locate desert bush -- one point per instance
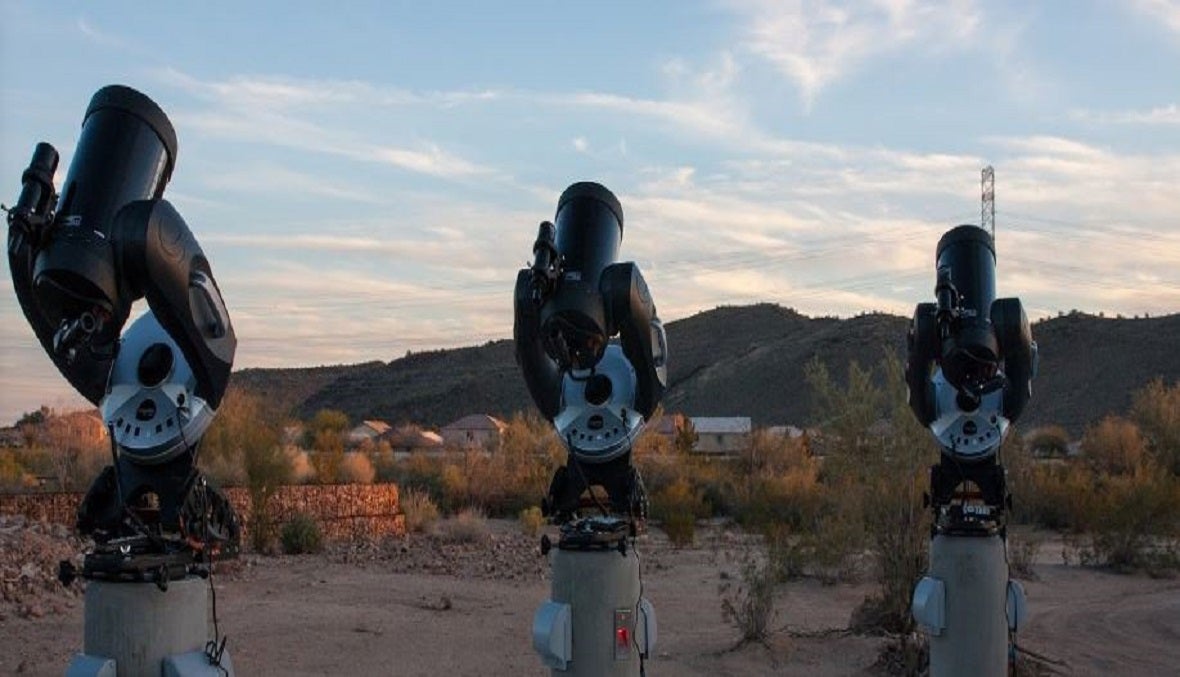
(794, 498)
(418, 472)
(677, 507)
(1156, 409)
(469, 525)
(875, 469)
(1022, 553)
(826, 553)
(13, 475)
(247, 432)
(531, 520)
(1052, 495)
(1048, 441)
(1132, 522)
(301, 534)
(326, 431)
(302, 471)
(501, 482)
(355, 468)
(75, 455)
(420, 510)
(454, 487)
(1114, 446)
(748, 603)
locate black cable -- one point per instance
(586, 483)
(638, 611)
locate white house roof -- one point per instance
(785, 431)
(720, 425)
(475, 422)
(379, 427)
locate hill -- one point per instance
(744, 360)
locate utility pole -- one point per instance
(987, 211)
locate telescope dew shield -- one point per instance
(589, 225)
(967, 256)
(125, 153)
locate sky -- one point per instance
(367, 177)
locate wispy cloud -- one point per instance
(98, 36)
(283, 112)
(1160, 115)
(1166, 12)
(818, 43)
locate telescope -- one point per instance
(969, 369)
(79, 262)
(598, 393)
(570, 304)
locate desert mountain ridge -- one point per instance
(739, 361)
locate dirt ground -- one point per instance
(428, 609)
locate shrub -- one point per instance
(420, 510)
(326, 431)
(1022, 555)
(301, 535)
(1114, 446)
(469, 525)
(531, 520)
(302, 471)
(748, 604)
(355, 468)
(13, 475)
(677, 507)
(1156, 409)
(1051, 441)
(1133, 522)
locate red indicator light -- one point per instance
(622, 637)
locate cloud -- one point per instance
(268, 178)
(1160, 115)
(304, 115)
(815, 44)
(1166, 12)
(99, 37)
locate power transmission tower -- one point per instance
(987, 212)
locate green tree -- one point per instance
(245, 438)
(875, 468)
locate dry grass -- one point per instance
(420, 511)
(356, 468)
(469, 525)
(531, 520)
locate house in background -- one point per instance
(477, 431)
(369, 431)
(667, 425)
(789, 432)
(722, 435)
(410, 439)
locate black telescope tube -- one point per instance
(967, 252)
(589, 225)
(589, 228)
(125, 153)
(969, 352)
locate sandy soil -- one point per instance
(383, 612)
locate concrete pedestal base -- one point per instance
(974, 573)
(134, 629)
(608, 625)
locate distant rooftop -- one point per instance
(714, 425)
(476, 422)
